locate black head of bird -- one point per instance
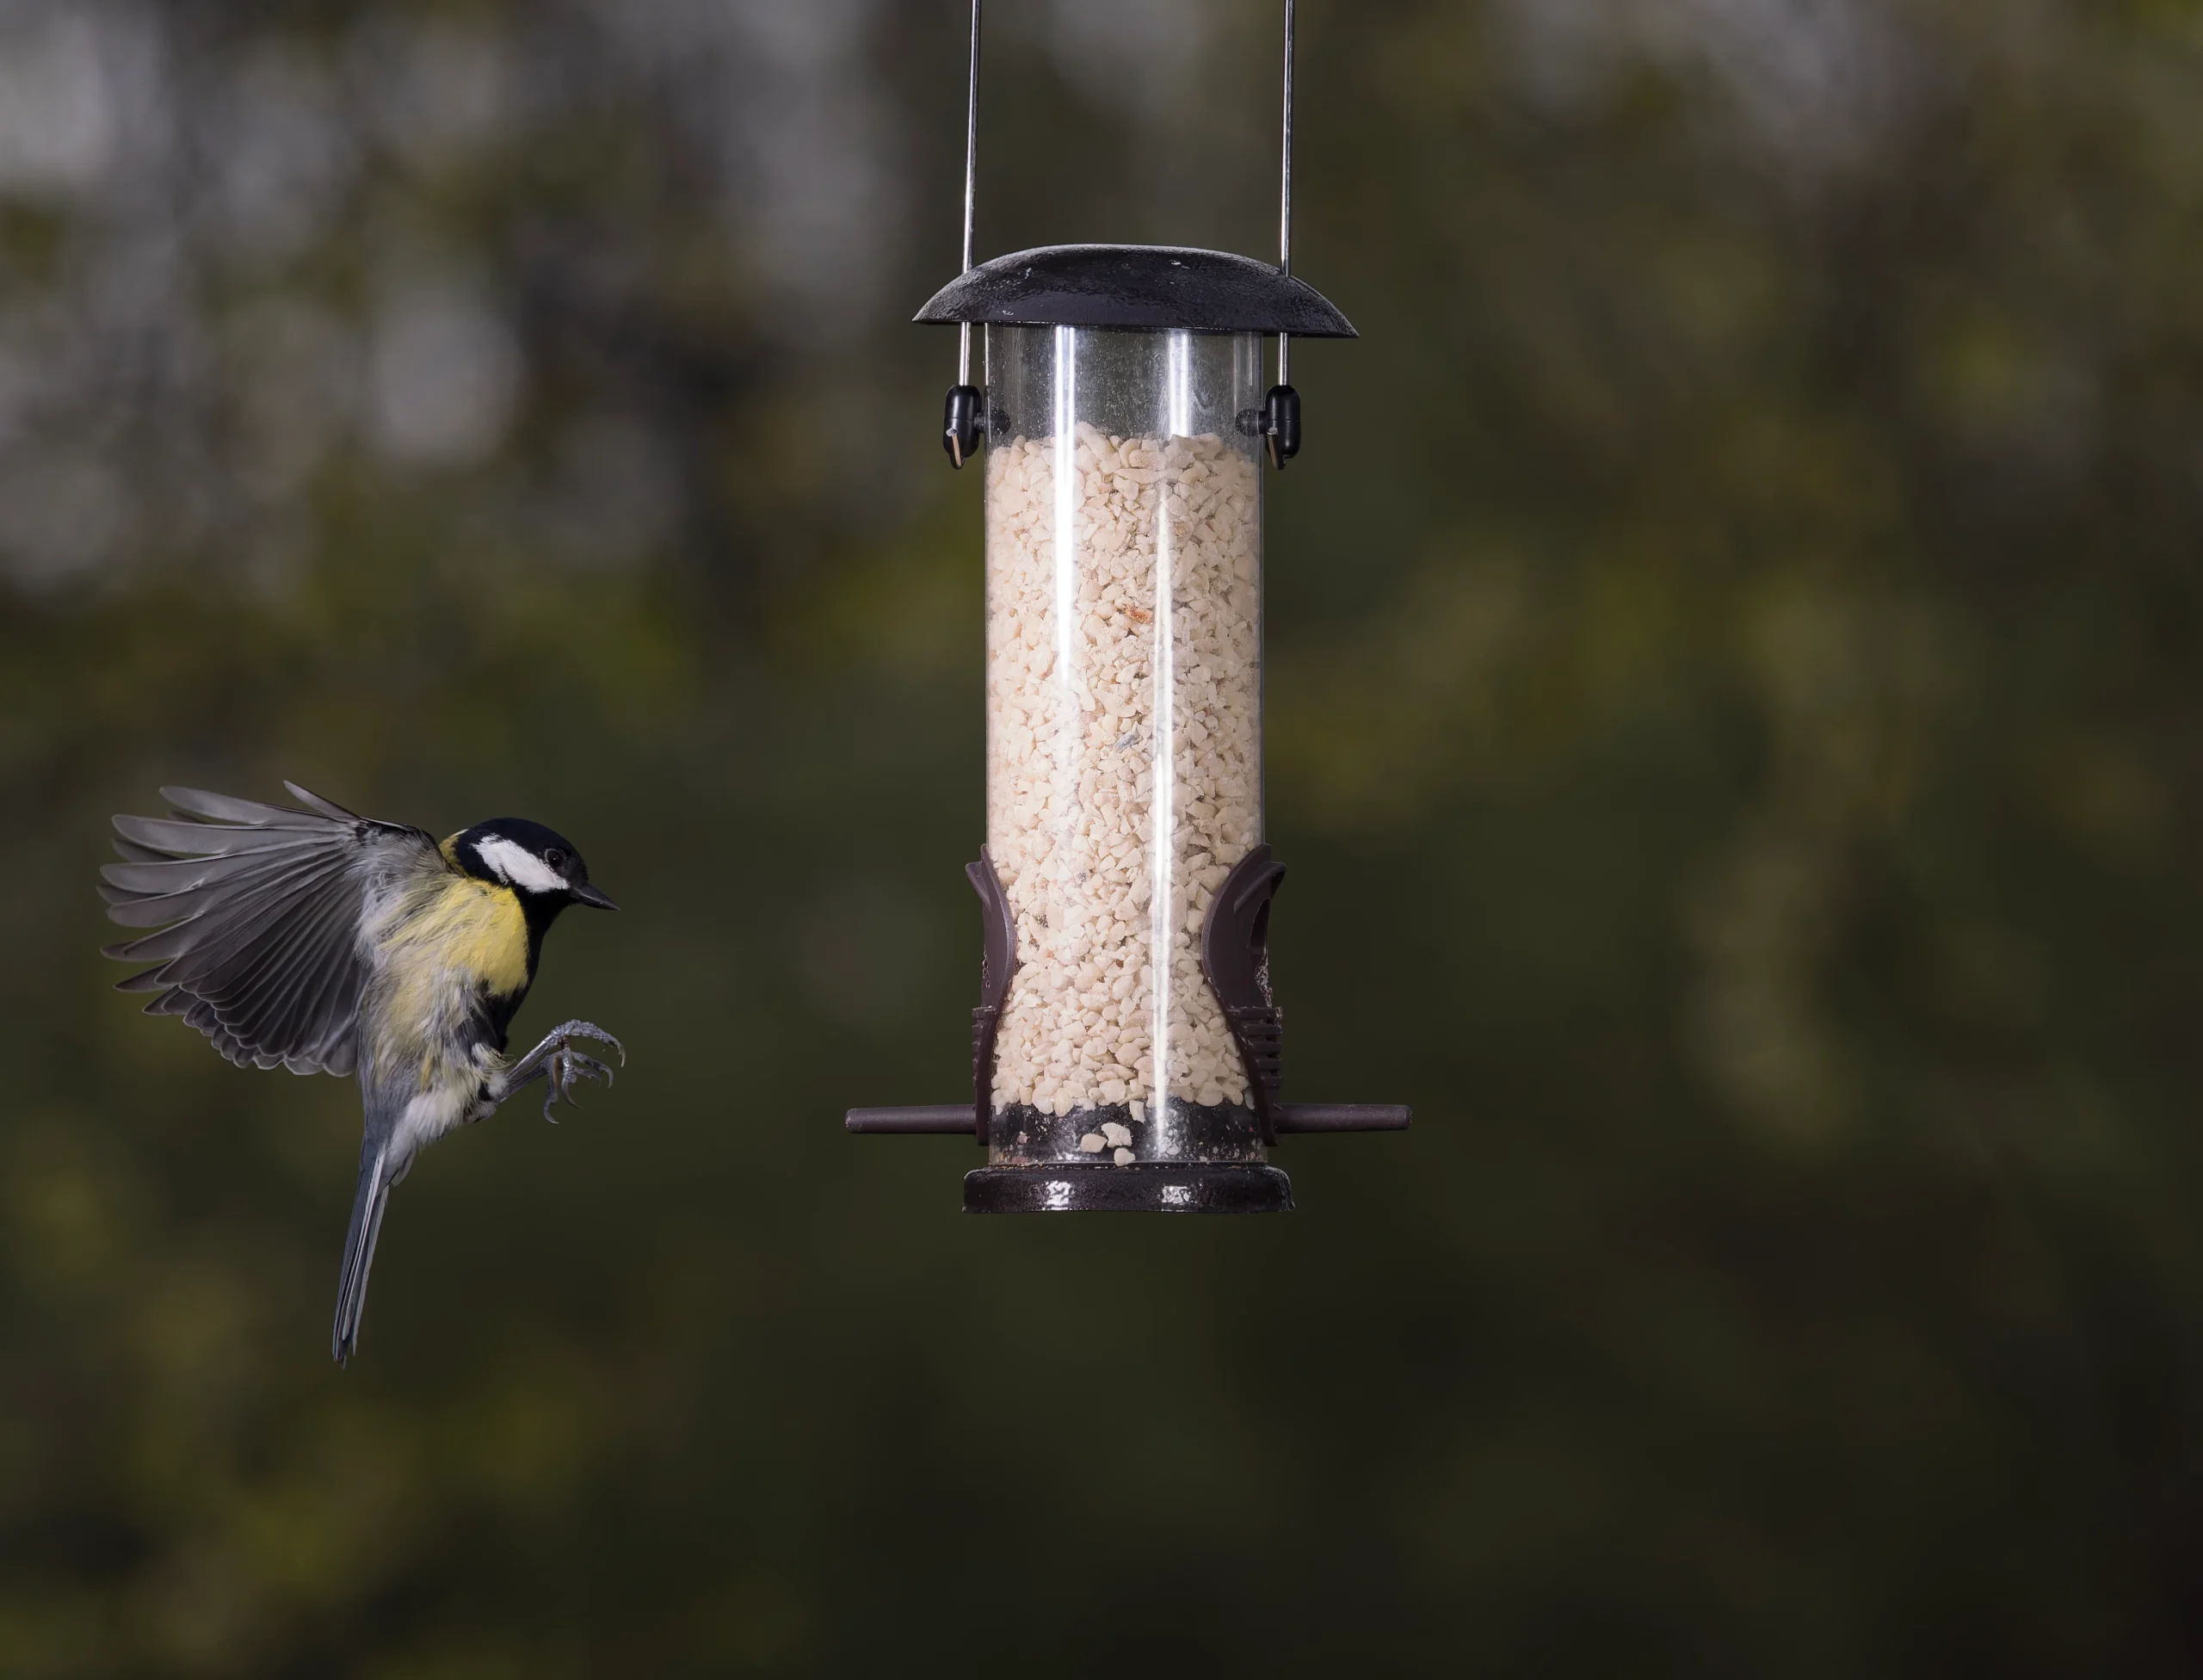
(541, 866)
(311, 937)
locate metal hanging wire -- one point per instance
(1281, 414)
(962, 423)
(972, 186)
(1283, 193)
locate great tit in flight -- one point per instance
(329, 942)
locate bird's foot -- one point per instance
(562, 1066)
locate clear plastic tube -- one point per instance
(1124, 731)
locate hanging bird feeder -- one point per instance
(1127, 1051)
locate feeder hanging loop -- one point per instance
(961, 426)
(1281, 424)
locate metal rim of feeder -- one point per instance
(1214, 1146)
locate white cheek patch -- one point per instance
(516, 866)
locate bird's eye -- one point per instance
(555, 858)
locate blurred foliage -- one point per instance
(1734, 704)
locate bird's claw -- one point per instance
(590, 1030)
(565, 1066)
(562, 1066)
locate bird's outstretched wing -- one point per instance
(259, 908)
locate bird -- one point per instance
(310, 937)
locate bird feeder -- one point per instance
(1127, 1052)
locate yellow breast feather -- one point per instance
(475, 928)
(439, 947)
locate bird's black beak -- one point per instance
(586, 895)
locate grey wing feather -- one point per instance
(258, 908)
(315, 802)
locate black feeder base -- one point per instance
(1142, 1188)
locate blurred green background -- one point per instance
(1735, 697)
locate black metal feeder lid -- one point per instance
(1135, 285)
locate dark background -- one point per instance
(1735, 710)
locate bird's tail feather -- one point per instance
(367, 1205)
